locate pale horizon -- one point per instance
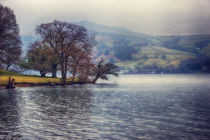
(156, 17)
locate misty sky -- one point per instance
(165, 17)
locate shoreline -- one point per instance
(26, 85)
(17, 85)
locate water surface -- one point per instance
(131, 107)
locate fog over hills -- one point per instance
(143, 53)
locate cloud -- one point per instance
(148, 16)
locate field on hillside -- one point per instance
(156, 56)
(135, 51)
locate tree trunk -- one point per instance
(95, 79)
(73, 77)
(63, 75)
(63, 72)
(54, 71)
(65, 69)
(74, 73)
(87, 74)
(8, 66)
(42, 74)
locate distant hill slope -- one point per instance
(142, 53)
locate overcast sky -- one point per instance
(165, 17)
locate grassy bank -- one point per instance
(27, 79)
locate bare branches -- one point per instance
(72, 46)
(101, 70)
(70, 42)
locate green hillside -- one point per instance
(143, 53)
(150, 56)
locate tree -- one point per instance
(10, 43)
(102, 70)
(87, 69)
(38, 59)
(80, 57)
(38, 52)
(63, 37)
(76, 62)
(123, 49)
(163, 57)
(11, 56)
(54, 61)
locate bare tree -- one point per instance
(10, 43)
(62, 37)
(102, 70)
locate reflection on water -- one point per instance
(136, 107)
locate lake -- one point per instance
(146, 107)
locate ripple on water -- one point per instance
(139, 107)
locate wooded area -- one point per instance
(60, 46)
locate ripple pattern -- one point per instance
(156, 111)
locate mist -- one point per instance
(158, 17)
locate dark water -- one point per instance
(153, 107)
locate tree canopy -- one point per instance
(65, 40)
(38, 57)
(10, 43)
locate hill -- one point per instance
(143, 53)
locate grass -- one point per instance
(4, 78)
(152, 51)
